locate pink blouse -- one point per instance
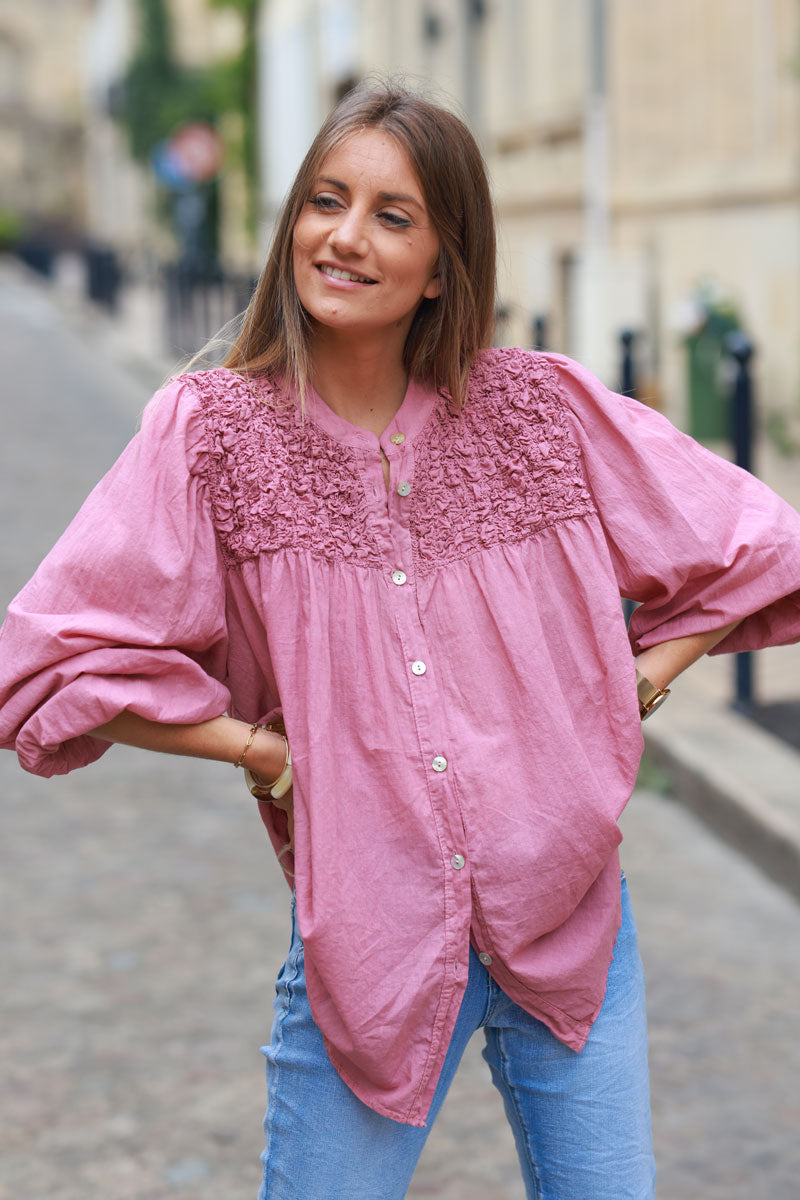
(450, 658)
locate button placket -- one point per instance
(392, 512)
(400, 456)
(424, 694)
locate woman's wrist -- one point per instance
(266, 755)
(656, 667)
(662, 663)
(223, 739)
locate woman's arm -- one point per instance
(663, 663)
(222, 739)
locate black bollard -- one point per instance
(103, 275)
(540, 332)
(627, 373)
(38, 253)
(740, 349)
(501, 318)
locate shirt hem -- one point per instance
(407, 1117)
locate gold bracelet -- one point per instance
(253, 731)
(280, 786)
(284, 781)
(650, 696)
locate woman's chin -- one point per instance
(344, 323)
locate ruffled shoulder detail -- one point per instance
(502, 470)
(502, 369)
(277, 481)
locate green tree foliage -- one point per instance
(152, 85)
(239, 80)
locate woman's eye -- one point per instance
(324, 202)
(327, 203)
(392, 218)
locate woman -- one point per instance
(407, 551)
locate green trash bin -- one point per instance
(709, 402)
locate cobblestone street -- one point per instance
(146, 919)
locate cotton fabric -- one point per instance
(242, 556)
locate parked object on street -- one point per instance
(103, 275)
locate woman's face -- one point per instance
(364, 250)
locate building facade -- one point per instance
(41, 110)
(120, 191)
(64, 157)
(643, 158)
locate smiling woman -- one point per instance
(364, 259)
(353, 234)
(375, 540)
(389, 176)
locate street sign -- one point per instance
(167, 167)
(193, 154)
(198, 150)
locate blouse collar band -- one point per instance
(418, 403)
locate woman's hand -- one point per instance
(266, 757)
(286, 804)
(260, 763)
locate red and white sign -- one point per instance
(197, 151)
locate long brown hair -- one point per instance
(446, 332)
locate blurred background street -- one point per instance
(646, 164)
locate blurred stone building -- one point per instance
(645, 156)
(64, 159)
(41, 110)
(639, 154)
(120, 191)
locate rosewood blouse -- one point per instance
(450, 657)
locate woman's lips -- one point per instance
(340, 277)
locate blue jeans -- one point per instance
(581, 1122)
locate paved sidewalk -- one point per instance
(742, 781)
(145, 924)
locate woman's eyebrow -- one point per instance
(384, 197)
(398, 198)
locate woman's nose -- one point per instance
(349, 234)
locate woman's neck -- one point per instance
(363, 383)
